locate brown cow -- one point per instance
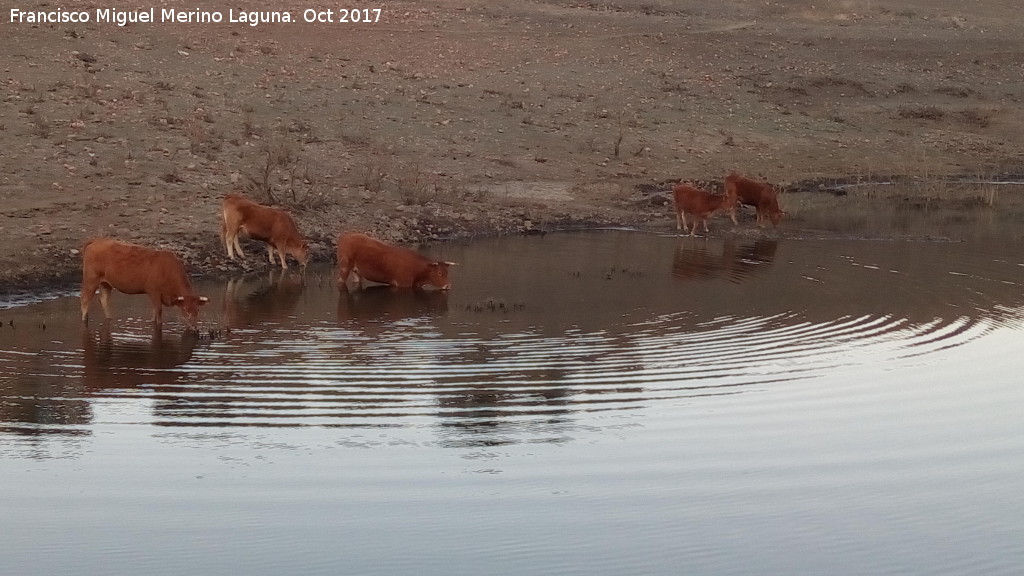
(701, 204)
(270, 225)
(373, 260)
(109, 265)
(760, 195)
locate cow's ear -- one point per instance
(451, 263)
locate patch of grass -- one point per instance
(839, 82)
(86, 88)
(172, 177)
(198, 136)
(921, 112)
(416, 187)
(377, 169)
(955, 91)
(975, 117)
(41, 127)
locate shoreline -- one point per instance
(649, 212)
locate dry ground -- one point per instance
(457, 118)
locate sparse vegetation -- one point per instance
(377, 169)
(928, 112)
(975, 117)
(41, 127)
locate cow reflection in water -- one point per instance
(738, 261)
(51, 401)
(377, 303)
(112, 362)
(272, 300)
(42, 402)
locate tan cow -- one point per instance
(760, 195)
(109, 264)
(373, 260)
(270, 225)
(700, 204)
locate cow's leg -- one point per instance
(231, 242)
(732, 214)
(225, 238)
(105, 290)
(158, 308)
(89, 286)
(679, 220)
(706, 231)
(284, 259)
(344, 269)
(237, 245)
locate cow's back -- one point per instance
(134, 269)
(746, 190)
(379, 262)
(261, 222)
(694, 200)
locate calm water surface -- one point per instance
(592, 403)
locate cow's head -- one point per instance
(301, 253)
(190, 308)
(732, 199)
(774, 212)
(437, 274)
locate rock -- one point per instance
(658, 200)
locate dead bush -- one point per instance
(276, 156)
(979, 118)
(282, 175)
(921, 112)
(376, 170)
(417, 187)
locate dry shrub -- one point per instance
(921, 112)
(377, 169)
(979, 118)
(41, 127)
(955, 91)
(417, 187)
(282, 170)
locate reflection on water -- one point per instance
(737, 260)
(248, 301)
(556, 326)
(685, 389)
(377, 304)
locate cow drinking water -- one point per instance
(373, 260)
(270, 225)
(760, 195)
(109, 265)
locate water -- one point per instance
(593, 403)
